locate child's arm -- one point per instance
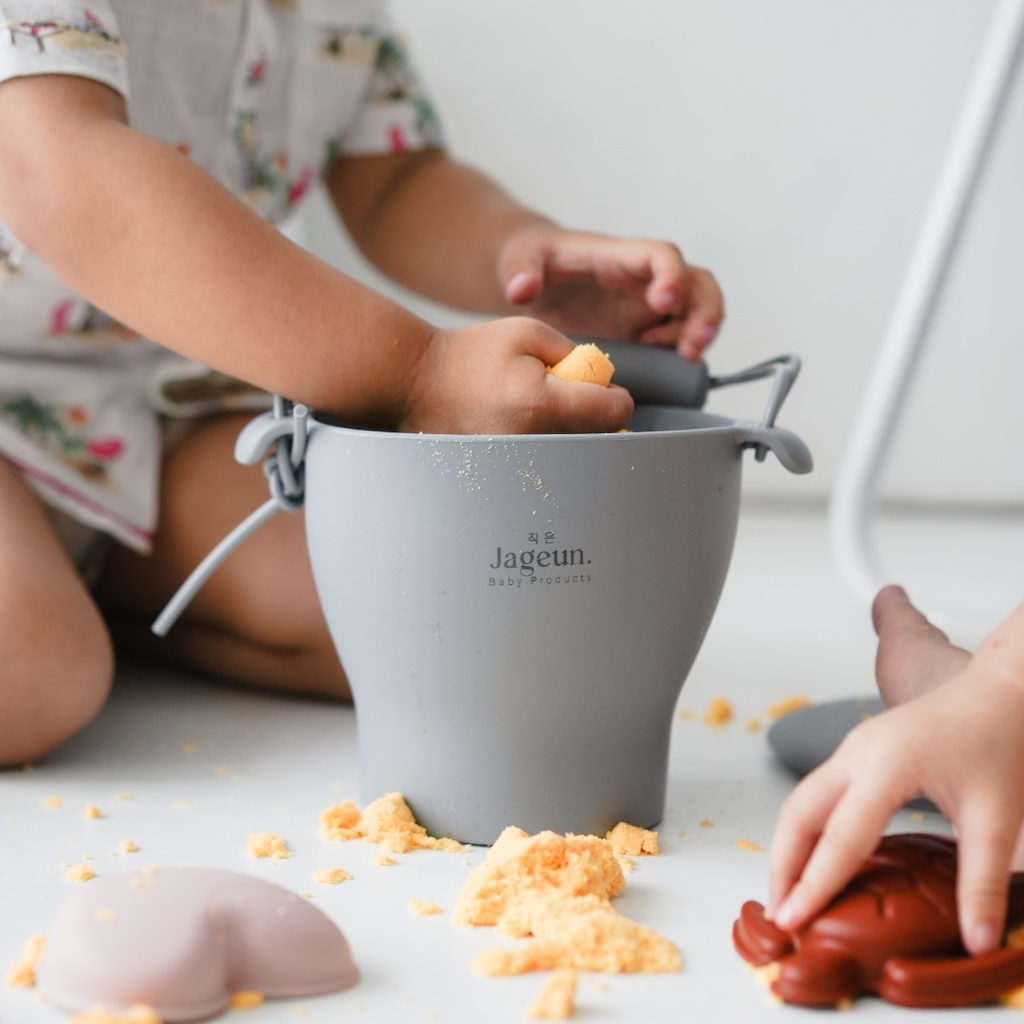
(149, 237)
(449, 232)
(962, 745)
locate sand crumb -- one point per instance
(746, 844)
(555, 999)
(128, 846)
(135, 1015)
(78, 873)
(633, 841)
(268, 844)
(385, 861)
(91, 811)
(783, 707)
(246, 999)
(718, 712)
(104, 914)
(1015, 997)
(52, 802)
(706, 823)
(331, 876)
(22, 974)
(423, 907)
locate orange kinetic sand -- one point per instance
(387, 821)
(584, 932)
(632, 841)
(557, 889)
(519, 866)
(555, 999)
(585, 363)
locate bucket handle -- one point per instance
(783, 370)
(284, 430)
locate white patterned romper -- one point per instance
(261, 94)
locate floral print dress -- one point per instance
(262, 94)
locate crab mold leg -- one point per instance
(951, 981)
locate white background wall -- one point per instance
(790, 146)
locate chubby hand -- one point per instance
(604, 287)
(491, 378)
(961, 744)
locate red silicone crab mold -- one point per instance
(892, 931)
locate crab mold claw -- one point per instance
(759, 941)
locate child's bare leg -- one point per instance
(913, 655)
(56, 660)
(257, 620)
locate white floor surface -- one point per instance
(205, 766)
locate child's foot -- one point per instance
(913, 655)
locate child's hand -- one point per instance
(491, 378)
(606, 287)
(962, 745)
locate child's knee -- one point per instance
(56, 679)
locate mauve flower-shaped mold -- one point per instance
(182, 940)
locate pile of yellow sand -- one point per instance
(557, 890)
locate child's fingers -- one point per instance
(983, 875)
(523, 281)
(578, 407)
(848, 837)
(798, 827)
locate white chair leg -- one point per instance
(855, 493)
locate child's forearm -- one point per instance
(430, 223)
(146, 235)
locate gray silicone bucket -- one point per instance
(517, 614)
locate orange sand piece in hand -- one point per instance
(585, 363)
(632, 841)
(387, 821)
(583, 932)
(555, 999)
(521, 866)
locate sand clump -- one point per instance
(557, 891)
(388, 821)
